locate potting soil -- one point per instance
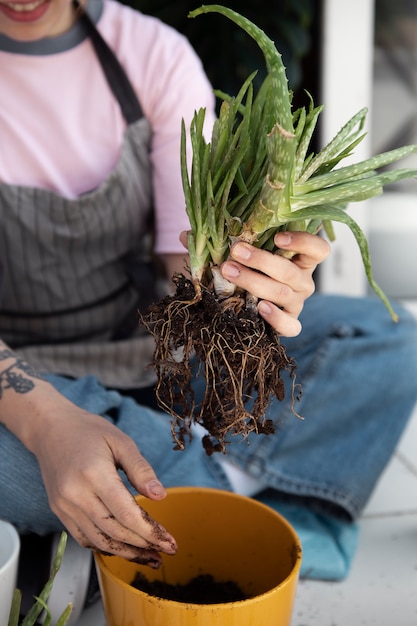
(202, 589)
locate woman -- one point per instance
(90, 159)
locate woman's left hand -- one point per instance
(282, 285)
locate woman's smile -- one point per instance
(35, 19)
(24, 11)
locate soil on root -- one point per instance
(202, 589)
(227, 342)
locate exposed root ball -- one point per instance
(229, 344)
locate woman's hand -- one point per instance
(79, 454)
(281, 284)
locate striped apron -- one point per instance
(73, 272)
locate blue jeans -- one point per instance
(358, 371)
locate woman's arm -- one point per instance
(79, 455)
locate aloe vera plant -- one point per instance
(300, 190)
(257, 175)
(41, 602)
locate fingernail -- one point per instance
(156, 488)
(283, 239)
(241, 252)
(230, 270)
(154, 561)
(169, 547)
(264, 307)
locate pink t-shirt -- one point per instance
(61, 128)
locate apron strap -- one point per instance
(113, 70)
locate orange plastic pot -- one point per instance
(226, 535)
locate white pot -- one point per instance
(9, 561)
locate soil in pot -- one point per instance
(202, 589)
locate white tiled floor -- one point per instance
(381, 588)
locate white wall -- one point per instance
(347, 66)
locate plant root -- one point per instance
(228, 343)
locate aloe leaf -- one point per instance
(352, 190)
(393, 176)
(196, 190)
(63, 619)
(14, 614)
(184, 175)
(233, 156)
(219, 136)
(350, 171)
(356, 191)
(338, 158)
(48, 617)
(329, 230)
(32, 616)
(350, 130)
(276, 70)
(305, 139)
(337, 215)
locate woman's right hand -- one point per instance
(79, 454)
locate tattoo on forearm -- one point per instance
(16, 376)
